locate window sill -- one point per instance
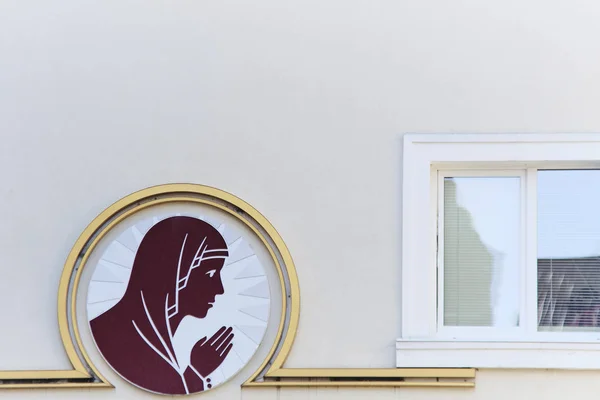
(492, 354)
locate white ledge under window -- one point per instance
(496, 354)
(500, 251)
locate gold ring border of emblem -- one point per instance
(271, 372)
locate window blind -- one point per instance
(481, 251)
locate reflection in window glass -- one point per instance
(481, 237)
(569, 250)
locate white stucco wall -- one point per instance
(298, 107)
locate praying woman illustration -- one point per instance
(176, 273)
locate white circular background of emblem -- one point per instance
(245, 305)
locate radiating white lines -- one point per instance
(101, 281)
(234, 245)
(248, 277)
(115, 263)
(234, 242)
(245, 334)
(138, 236)
(104, 301)
(238, 355)
(237, 261)
(259, 290)
(254, 296)
(125, 246)
(253, 316)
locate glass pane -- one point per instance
(481, 251)
(569, 250)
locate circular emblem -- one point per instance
(178, 304)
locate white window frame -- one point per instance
(427, 158)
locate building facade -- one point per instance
(408, 187)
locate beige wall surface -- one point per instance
(297, 107)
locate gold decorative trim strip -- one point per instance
(61, 385)
(463, 373)
(44, 374)
(368, 377)
(448, 384)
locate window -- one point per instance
(501, 251)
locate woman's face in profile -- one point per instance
(203, 286)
